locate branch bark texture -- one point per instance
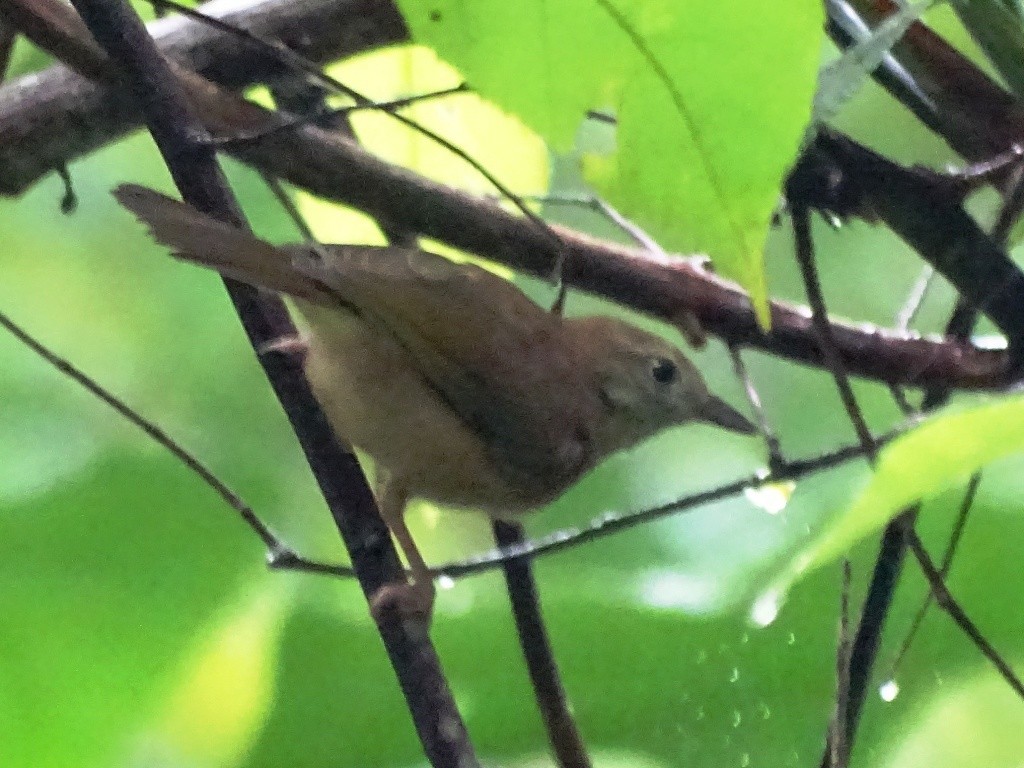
(154, 86)
(53, 117)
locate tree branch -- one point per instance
(55, 116)
(155, 88)
(968, 109)
(563, 734)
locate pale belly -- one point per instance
(378, 402)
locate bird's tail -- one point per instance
(200, 239)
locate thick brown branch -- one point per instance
(51, 118)
(971, 111)
(338, 169)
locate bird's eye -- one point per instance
(664, 371)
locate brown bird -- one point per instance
(461, 389)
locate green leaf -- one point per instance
(939, 454)
(711, 105)
(566, 58)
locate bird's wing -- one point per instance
(499, 360)
(494, 356)
(202, 240)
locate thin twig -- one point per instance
(771, 440)
(563, 733)
(276, 549)
(838, 743)
(823, 328)
(899, 396)
(288, 204)
(947, 562)
(610, 524)
(316, 118)
(912, 305)
(640, 237)
(948, 603)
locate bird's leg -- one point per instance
(416, 599)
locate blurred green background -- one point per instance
(139, 627)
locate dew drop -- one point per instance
(772, 497)
(889, 690)
(735, 675)
(745, 760)
(766, 608)
(737, 718)
(445, 582)
(791, 640)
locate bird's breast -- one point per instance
(377, 399)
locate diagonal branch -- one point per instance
(155, 87)
(55, 116)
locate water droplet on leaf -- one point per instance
(889, 690)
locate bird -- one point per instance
(461, 389)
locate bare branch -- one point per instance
(949, 604)
(156, 89)
(55, 116)
(563, 734)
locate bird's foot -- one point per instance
(412, 602)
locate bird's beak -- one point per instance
(719, 412)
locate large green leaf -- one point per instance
(937, 455)
(711, 103)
